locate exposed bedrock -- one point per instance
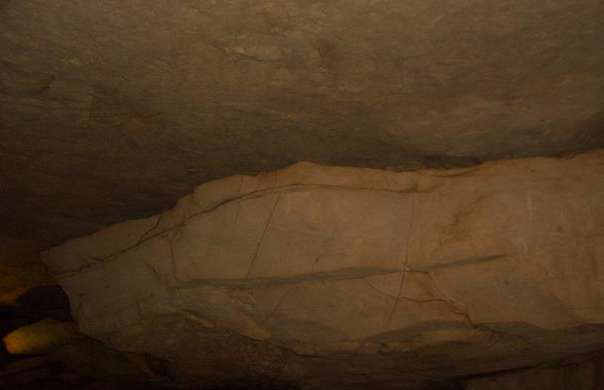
(329, 276)
(112, 110)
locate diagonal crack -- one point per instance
(277, 306)
(261, 240)
(148, 231)
(404, 262)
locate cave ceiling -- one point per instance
(112, 110)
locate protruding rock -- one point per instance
(330, 275)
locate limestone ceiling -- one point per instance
(113, 109)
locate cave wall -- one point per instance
(142, 100)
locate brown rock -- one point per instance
(113, 110)
(583, 375)
(327, 275)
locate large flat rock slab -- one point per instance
(332, 276)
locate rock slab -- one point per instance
(332, 276)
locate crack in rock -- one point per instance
(261, 240)
(254, 195)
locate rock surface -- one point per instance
(330, 276)
(113, 110)
(587, 374)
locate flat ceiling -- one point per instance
(111, 110)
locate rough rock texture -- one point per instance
(329, 276)
(112, 110)
(582, 375)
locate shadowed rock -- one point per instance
(141, 100)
